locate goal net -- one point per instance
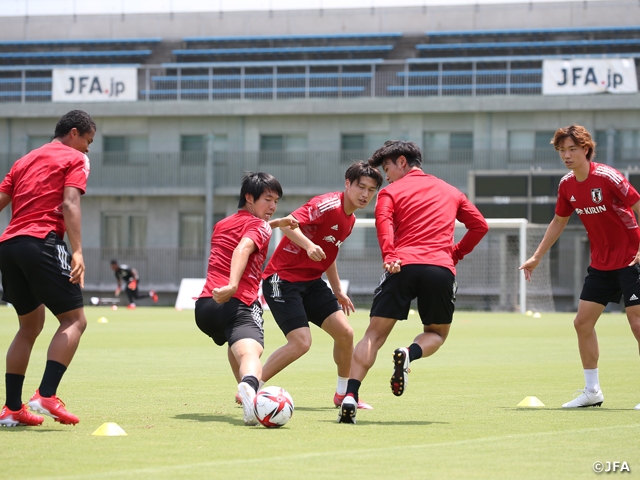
(488, 278)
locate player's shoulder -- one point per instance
(608, 173)
(327, 201)
(567, 177)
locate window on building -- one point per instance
(353, 146)
(122, 150)
(527, 146)
(192, 231)
(36, 141)
(544, 150)
(276, 149)
(124, 231)
(193, 149)
(446, 146)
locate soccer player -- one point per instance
(228, 309)
(415, 223)
(129, 275)
(44, 189)
(293, 287)
(605, 203)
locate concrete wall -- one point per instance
(400, 19)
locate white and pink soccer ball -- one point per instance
(273, 407)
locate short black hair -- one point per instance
(362, 169)
(392, 149)
(77, 119)
(255, 184)
(114, 262)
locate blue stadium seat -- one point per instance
(282, 63)
(283, 50)
(79, 55)
(99, 41)
(257, 38)
(237, 91)
(525, 45)
(265, 76)
(478, 86)
(452, 73)
(534, 31)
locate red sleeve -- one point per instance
(310, 213)
(78, 172)
(563, 206)
(476, 226)
(259, 232)
(7, 185)
(384, 227)
(627, 194)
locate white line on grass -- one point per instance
(331, 454)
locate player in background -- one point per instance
(129, 276)
(293, 286)
(415, 223)
(44, 189)
(605, 203)
(228, 309)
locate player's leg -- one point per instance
(298, 343)
(131, 298)
(630, 283)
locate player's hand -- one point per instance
(392, 267)
(345, 303)
(77, 269)
(292, 223)
(528, 267)
(316, 253)
(223, 294)
(636, 260)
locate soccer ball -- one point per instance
(273, 407)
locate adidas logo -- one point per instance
(573, 199)
(335, 227)
(633, 297)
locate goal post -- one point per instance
(488, 278)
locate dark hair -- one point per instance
(114, 262)
(362, 169)
(77, 119)
(392, 149)
(580, 136)
(255, 184)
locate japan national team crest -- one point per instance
(596, 195)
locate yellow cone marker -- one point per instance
(537, 315)
(531, 402)
(110, 429)
(103, 320)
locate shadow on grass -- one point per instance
(394, 424)
(30, 429)
(203, 417)
(560, 409)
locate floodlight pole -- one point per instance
(208, 200)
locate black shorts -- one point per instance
(37, 271)
(230, 321)
(602, 286)
(295, 304)
(435, 288)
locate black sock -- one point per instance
(415, 352)
(53, 373)
(13, 384)
(251, 380)
(353, 386)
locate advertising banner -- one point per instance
(95, 84)
(587, 76)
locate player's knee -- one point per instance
(299, 343)
(345, 336)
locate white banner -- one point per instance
(584, 76)
(108, 84)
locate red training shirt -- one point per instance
(323, 221)
(415, 221)
(603, 203)
(225, 238)
(36, 184)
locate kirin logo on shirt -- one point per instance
(596, 195)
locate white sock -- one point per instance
(591, 379)
(341, 389)
(260, 385)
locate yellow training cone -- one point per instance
(109, 429)
(531, 402)
(103, 320)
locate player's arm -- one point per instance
(5, 200)
(72, 221)
(314, 251)
(285, 222)
(554, 230)
(334, 280)
(384, 228)
(239, 261)
(476, 226)
(636, 208)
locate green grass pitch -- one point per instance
(170, 388)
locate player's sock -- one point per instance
(415, 352)
(261, 384)
(342, 385)
(13, 385)
(53, 373)
(251, 380)
(591, 381)
(353, 386)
